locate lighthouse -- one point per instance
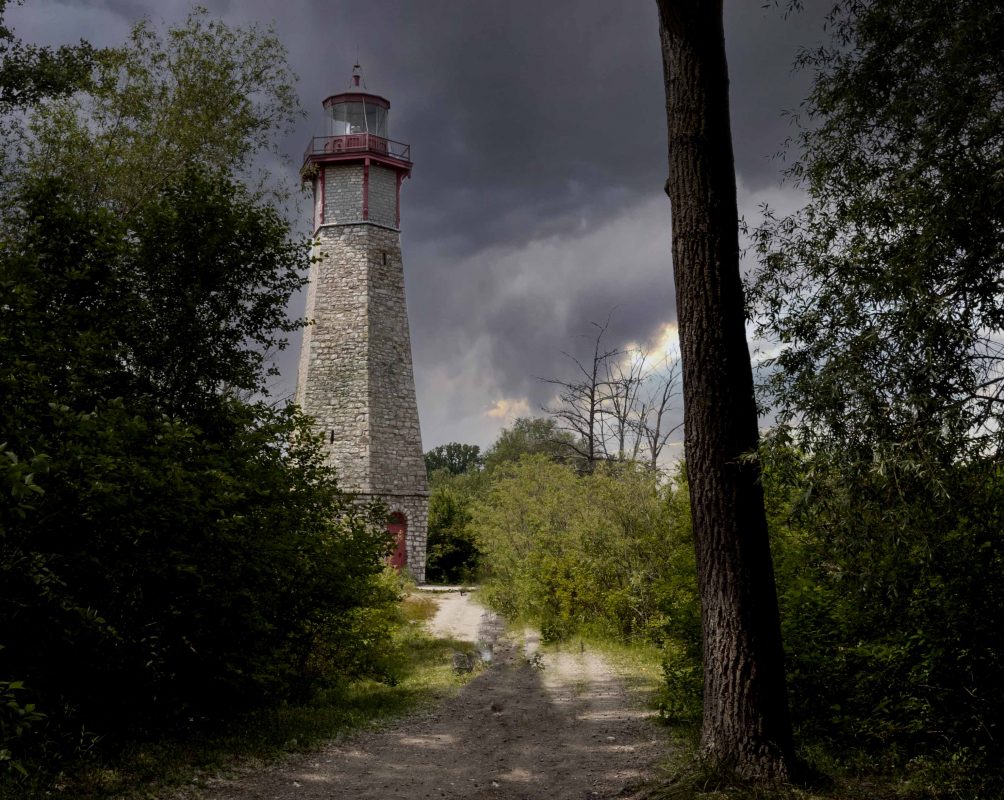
(355, 374)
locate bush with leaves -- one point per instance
(452, 555)
(192, 553)
(583, 552)
(891, 604)
(19, 718)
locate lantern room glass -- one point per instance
(357, 117)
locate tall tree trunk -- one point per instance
(746, 723)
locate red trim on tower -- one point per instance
(366, 189)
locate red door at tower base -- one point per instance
(398, 528)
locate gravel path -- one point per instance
(458, 617)
(551, 727)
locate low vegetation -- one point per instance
(417, 672)
(891, 607)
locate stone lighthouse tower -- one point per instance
(355, 376)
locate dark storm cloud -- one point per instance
(529, 115)
(522, 116)
(539, 138)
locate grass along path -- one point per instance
(183, 767)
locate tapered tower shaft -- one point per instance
(355, 377)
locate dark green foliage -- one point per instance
(455, 458)
(18, 715)
(29, 73)
(212, 270)
(682, 695)
(452, 554)
(191, 556)
(530, 436)
(456, 479)
(892, 611)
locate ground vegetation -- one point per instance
(173, 550)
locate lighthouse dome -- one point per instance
(357, 111)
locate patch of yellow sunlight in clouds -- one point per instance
(509, 408)
(662, 348)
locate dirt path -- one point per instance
(515, 732)
(457, 617)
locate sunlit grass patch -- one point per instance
(418, 607)
(638, 665)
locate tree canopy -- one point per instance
(173, 548)
(201, 94)
(30, 73)
(885, 289)
(454, 457)
(527, 436)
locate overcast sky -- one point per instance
(538, 133)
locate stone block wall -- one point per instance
(333, 384)
(396, 462)
(383, 196)
(356, 377)
(343, 193)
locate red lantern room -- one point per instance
(356, 169)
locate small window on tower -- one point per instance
(385, 258)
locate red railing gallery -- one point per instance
(358, 143)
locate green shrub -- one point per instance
(452, 554)
(191, 556)
(891, 598)
(607, 553)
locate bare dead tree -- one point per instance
(653, 416)
(582, 403)
(624, 379)
(616, 405)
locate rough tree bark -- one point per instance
(746, 723)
